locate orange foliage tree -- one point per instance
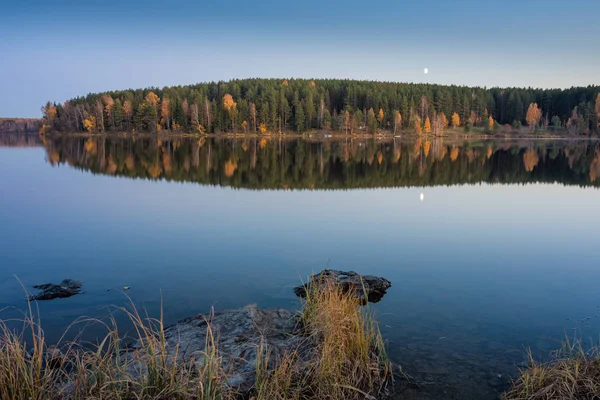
(152, 98)
(534, 113)
(397, 121)
(380, 116)
(427, 125)
(455, 120)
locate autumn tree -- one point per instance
(380, 116)
(90, 123)
(165, 113)
(108, 102)
(397, 120)
(231, 107)
(49, 112)
(152, 98)
(427, 125)
(534, 113)
(455, 120)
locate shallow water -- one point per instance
(499, 255)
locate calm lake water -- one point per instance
(491, 246)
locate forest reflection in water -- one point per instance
(263, 163)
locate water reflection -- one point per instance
(344, 164)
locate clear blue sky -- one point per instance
(55, 50)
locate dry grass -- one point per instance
(572, 374)
(349, 360)
(30, 369)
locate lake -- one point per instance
(491, 245)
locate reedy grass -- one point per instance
(572, 373)
(347, 359)
(350, 360)
(107, 369)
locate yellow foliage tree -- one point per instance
(90, 123)
(455, 120)
(444, 121)
(285, 82)
(534, 113)
(228, 102)
(397, 121)
(244, 125)
(380, 116)
(427, 125)
(152, 98)
(262, 128)
(108, 104)
(231, 106)
(49, 111)
(312, 84)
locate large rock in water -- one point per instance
(238, 335)
(366, 287)
(49, 291)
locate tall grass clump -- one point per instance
(340, 354)
(23, 355)
(572, 373)
(30, 369)
(349, 360)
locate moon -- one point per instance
(425, 71)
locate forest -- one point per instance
(262, 106)
(263, 163)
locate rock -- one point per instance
(54, 357)
(49, 291)
(366, 287)
(238, 335)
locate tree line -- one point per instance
(262, 163)
(349, 106)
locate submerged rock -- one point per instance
(238, 334)
(242, 334)
(49, 291)
(366, 287)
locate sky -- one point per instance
(65, 48)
